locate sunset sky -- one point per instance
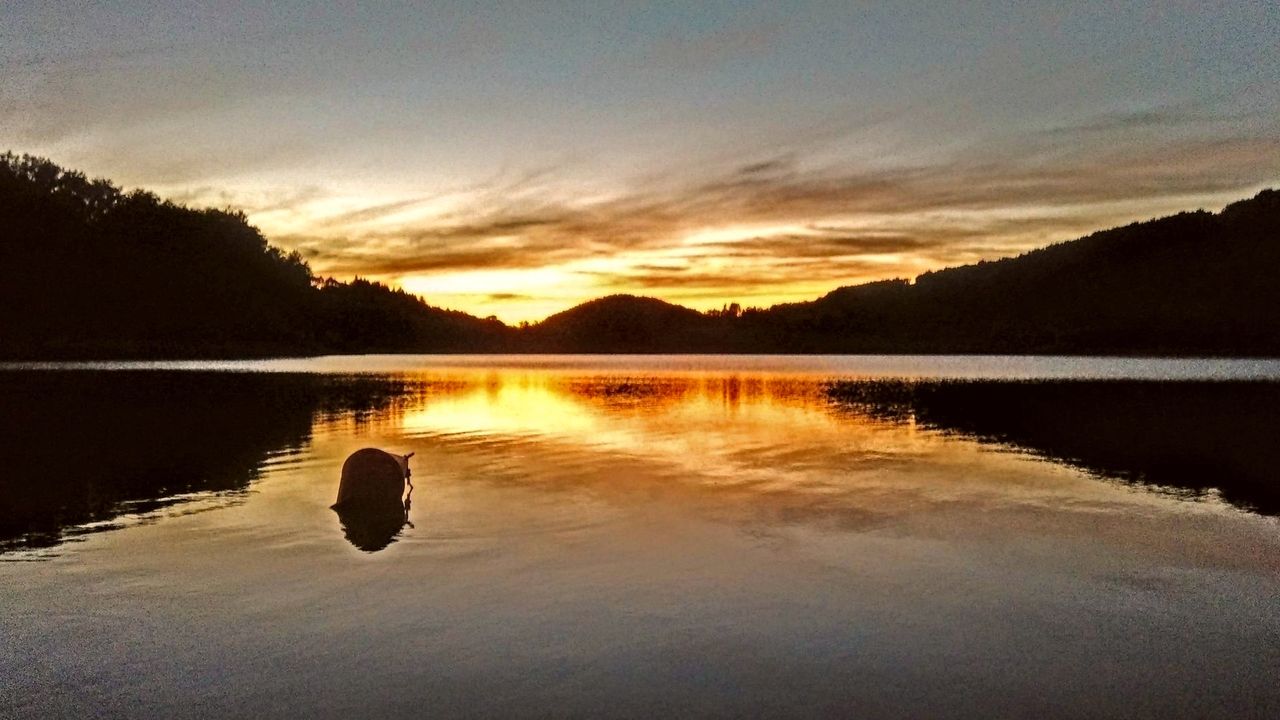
(518, 158)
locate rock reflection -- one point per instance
(372, 526)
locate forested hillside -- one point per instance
(1192, 283)
(90, 271)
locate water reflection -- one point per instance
(79, 450)
(611, 542)
(82, 449)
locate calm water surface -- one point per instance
(635, 536)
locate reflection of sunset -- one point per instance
(747, 442)
(513, 406)
(571, 514)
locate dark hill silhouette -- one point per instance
(90, 271)
(624, 324)
(1195, 283)
(1191, 283)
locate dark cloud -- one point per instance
(686, 51)
(776, 274)
(252, 203)
(1187, 114)
(821, 246)
(766, 167)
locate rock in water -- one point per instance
(372, 477)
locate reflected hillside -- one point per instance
(81, 449)
(1192, 436)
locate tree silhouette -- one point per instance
(87, 270)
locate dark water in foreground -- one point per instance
(736, 536)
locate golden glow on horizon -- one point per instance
(441, 150)
(480, 282)
(523, 259)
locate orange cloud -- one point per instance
(846, 225)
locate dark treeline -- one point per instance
(1192, 284)
(1188, 436)
(87, 270)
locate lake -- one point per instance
(639, 536)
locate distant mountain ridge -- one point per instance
(623, 323)
(89, 271)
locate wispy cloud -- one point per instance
(948, 212)
(697, 51)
